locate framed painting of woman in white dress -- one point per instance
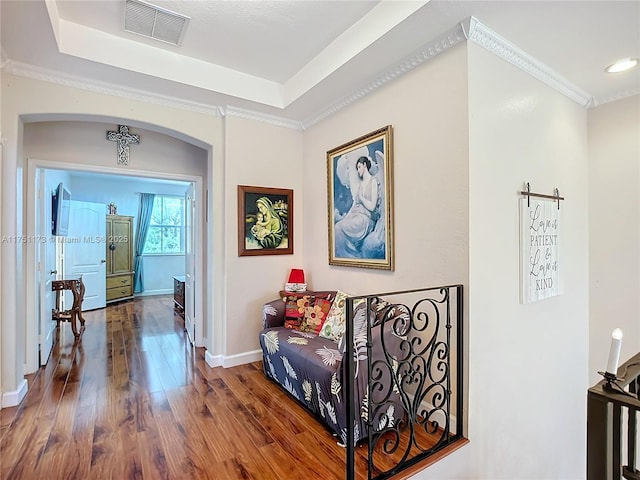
(359, 177)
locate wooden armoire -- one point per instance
(119, 257)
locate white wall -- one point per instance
(263, 155)
(427, 109)
(158, 272)
(85, 143)
(3, 374)
(614, 230)
(527, 363)
(124, 191)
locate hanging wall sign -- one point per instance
(540, 265)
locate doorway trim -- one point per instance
(32, 316)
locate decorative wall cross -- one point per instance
(124, 139)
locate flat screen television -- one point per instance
(61, 206)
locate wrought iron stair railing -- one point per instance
(415, 377)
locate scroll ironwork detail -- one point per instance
(414, 369)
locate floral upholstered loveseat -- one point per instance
(303, 352)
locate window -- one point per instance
(166, 229)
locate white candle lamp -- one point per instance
(610, 374)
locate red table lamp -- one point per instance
(296, 281)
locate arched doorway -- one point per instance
(34, 202)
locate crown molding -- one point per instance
(489, 40)
(52, 76)
(409, 63)
(261, 117)
(469, 30)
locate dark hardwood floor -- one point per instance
(133, 399)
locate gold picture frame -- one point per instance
(265, 221)
(360, 201)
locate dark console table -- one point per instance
(178, 293)
(74, 313)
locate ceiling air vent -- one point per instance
(154, 22)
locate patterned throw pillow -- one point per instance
(334, 325)
(306, 311)
(315, 315)
(360, 318)
(296, 305)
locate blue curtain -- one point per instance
(144, 219)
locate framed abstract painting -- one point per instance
(265, 221)
(360, 201)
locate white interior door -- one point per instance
(85, 252)
(46, 259)
(189, 267)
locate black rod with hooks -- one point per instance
(529, 194)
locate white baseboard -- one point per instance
(232, 360)
(148, 293)
(212, 360)
(241, 358)
(11, 399)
